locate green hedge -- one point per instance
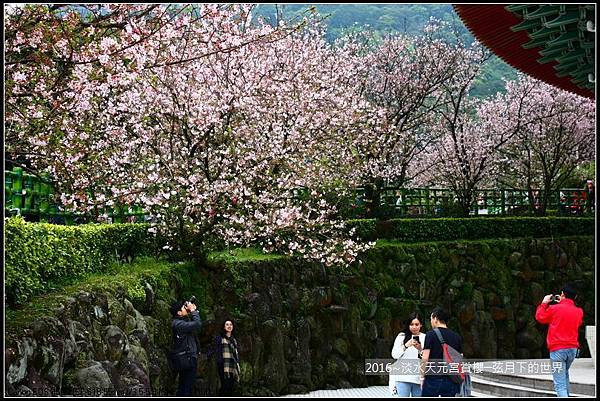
(128, 280)
(39, 253)
(448, 229)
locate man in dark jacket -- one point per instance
(564, 319)
(441, 384)
(186, 323)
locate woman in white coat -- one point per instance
(408, 346)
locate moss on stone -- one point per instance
(127, 278)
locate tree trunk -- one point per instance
(465, 203)
(373, 198)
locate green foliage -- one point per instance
(136, 293)
(197, 285)
(448, 229)
(241, 255)
(579, 176)
(127, 279)
(40, 255)
(492, 78)
(380, 18)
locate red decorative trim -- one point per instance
(490, 24)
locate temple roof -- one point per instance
(554, 43)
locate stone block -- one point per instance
(590, 336)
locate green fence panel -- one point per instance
(31, 195)
(17, 188)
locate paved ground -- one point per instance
(582, 371)
(367, 392)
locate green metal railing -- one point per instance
(443, 202)
(437, 201)
(33, 197)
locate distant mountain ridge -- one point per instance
(393, 18)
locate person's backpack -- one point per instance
(451, 356)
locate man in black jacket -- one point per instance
(435, 385)
(186, 323)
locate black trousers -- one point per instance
(186, 382)
(226, 386)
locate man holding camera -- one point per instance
(564, 319)
(183, 358)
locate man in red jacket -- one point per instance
(564, 319)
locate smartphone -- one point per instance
(416, 338)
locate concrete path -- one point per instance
(582, 371)
(367, 392)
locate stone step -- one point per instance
(495, 388)
(538, 383)
(372, 392)
(482, 395)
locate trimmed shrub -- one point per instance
(472, 228)
(39, 253)
(120, 280)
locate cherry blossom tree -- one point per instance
(531, 136)
(46, 45)
(43, 44)
(406, 81)
(558, 136)
(243, 133)
(212, 125)
(469, 134)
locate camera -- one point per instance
(555, 298)
(192, 300)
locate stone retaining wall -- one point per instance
(303, 327)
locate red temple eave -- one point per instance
(490, 24)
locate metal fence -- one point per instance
(442, 201)
(34, 198)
